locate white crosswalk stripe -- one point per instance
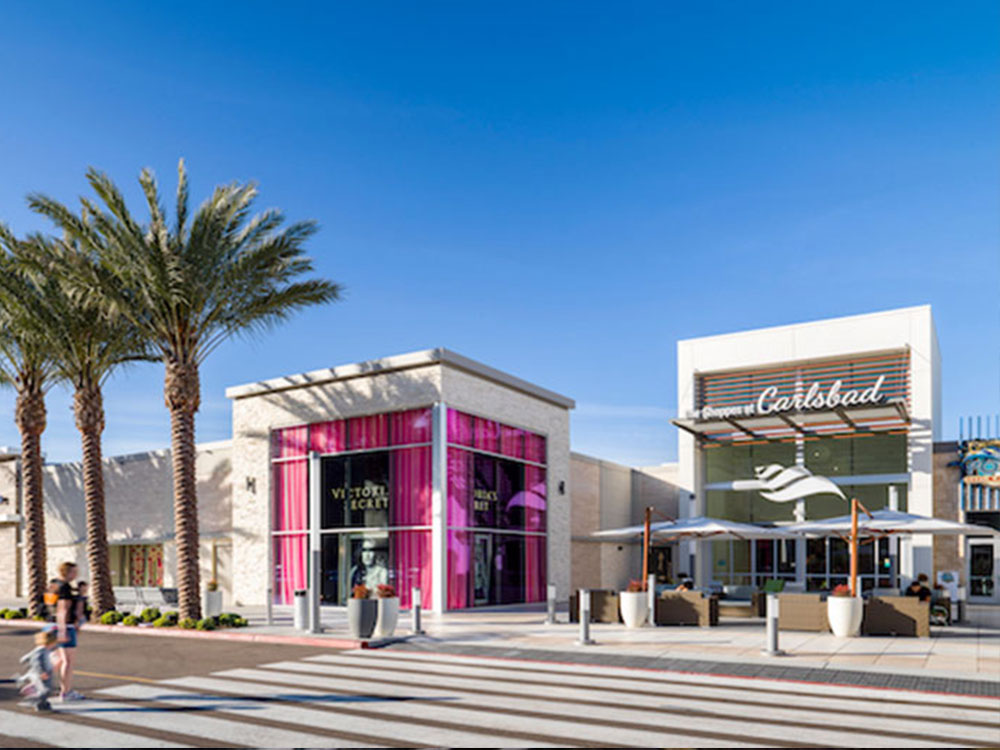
(365, 699)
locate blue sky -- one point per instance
(560, 190)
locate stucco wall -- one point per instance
(138, 505)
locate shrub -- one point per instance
(360, 591)
(170, 616)
(206, 623)
(634, 586)
(212, 585)
(241, 622)
(385, 591)
(111, 618)
(187, 623)
(131, 620)
(4, 613)
(164, 622)
(39, 618)
(841, 590)
(150, 613)
(228, 620)
(22, 614)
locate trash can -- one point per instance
(301, 611)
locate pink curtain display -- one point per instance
(459, 487)
(511, 441)
(369, 432)
(328, 437)
(487, 435)
(410, 469)
(459, 568)
(535, 501)
(289, 566)
(459, 428)
(410, 427)
(534, 448)
(534, 568)
(290, 442)
(291, 487)
(412, 565)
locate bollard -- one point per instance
(772, 627)
(415, 602)
(651, 591)
(550, 618)
(315, 625)
(584, 618)
(270, 606)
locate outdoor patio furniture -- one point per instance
(687, 608)
(603, 606)
(802, 612)
(897, 615)
(738, 601)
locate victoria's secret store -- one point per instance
(375, 507)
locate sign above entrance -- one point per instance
(815, 397)
(868, 381)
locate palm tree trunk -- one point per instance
(88, 408)
(30, 416)
(181, 392)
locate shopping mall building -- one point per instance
(433, 470)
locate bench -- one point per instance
(687, 608)
(140, 597)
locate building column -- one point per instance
(439, 507)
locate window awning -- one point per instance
(864, 420)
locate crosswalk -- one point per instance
(410, 698)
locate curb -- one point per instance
(289, 640)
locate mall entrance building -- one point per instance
(424, 470)
(854, 399)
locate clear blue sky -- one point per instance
(561, 190)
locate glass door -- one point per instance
(482, 569)
(984, 566)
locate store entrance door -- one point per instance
(482, 569)
(984, 571)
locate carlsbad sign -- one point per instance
(815, 397)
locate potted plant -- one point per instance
(361, 612)
(213, 599)
(633, 604)
(844, 611)
(388, 611)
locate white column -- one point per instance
(439, 508)
(315, 624)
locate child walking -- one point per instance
(37, 681)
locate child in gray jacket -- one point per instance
(37, 681)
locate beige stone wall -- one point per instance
(608, 495)
(948, 552)
(476, 395)
(253, 419)
(8, 561)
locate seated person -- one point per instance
(919, 588)
(686, 584)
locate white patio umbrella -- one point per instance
(697, 527)
(884, 522)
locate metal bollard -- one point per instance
(584, 618)
(651, 591)
(772, 627)
(416, 601)
(270, 606)
(550, 618)
(315, 623)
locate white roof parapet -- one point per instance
(395, 363)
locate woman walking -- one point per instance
(67, 622)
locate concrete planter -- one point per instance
(844, 614)
(213, 603)
(361, 614)
(634, 608)
(388, 615)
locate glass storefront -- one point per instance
(740, 563)
(375, 508)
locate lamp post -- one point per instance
(645, 547)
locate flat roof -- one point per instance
(394, 363)
(859, 318)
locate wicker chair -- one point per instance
(687, 608)
(897, 615)
(802, 612)
(603, 606)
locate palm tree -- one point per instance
(25, 363)
(86, 345)
(187, 287)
